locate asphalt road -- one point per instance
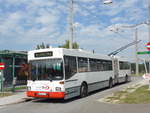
(89, 104)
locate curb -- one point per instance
(18, 101)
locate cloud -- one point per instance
(32, 24)
(88, 0)
(26, 23)
(104, 41)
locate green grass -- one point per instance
(4, 94)
(116, 96)
(140, 74)
(140, 95)
(16, 88)
(130, 88)
(8, 91)
(20, 88)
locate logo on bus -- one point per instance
(45, 87)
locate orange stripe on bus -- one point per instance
(47, 94)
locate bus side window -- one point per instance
(93, 65)
(70, 66)
(82, 64)
(124, 65)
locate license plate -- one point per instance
(42, 94)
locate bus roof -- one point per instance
(60, 52)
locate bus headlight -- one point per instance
(58, 88)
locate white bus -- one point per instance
(66, 73)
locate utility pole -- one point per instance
(149, 28)
(136, 50)
(149, 19)
(71, 15)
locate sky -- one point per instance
(26, 23)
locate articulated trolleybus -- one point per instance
(66, 73)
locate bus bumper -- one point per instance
(40, 94)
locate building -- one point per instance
(15, 67)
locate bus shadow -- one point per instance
(60, 101)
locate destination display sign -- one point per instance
(44, 54)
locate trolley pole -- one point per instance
(71, 8)
(136, 50)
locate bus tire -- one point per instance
(110, 83)
(83, 90)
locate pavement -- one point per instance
(17, 97)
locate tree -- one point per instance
(42, 46)
(66, 45)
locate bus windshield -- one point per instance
(47, 69)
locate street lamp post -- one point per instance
(107, 1)
(149, 18)
(149, 27)
(71, 21)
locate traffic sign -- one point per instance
(146, 76)
(143, 52)
(148, 46)
(2, 66)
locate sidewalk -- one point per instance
(17, 97)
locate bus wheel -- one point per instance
(110, 83)
(83, 90)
